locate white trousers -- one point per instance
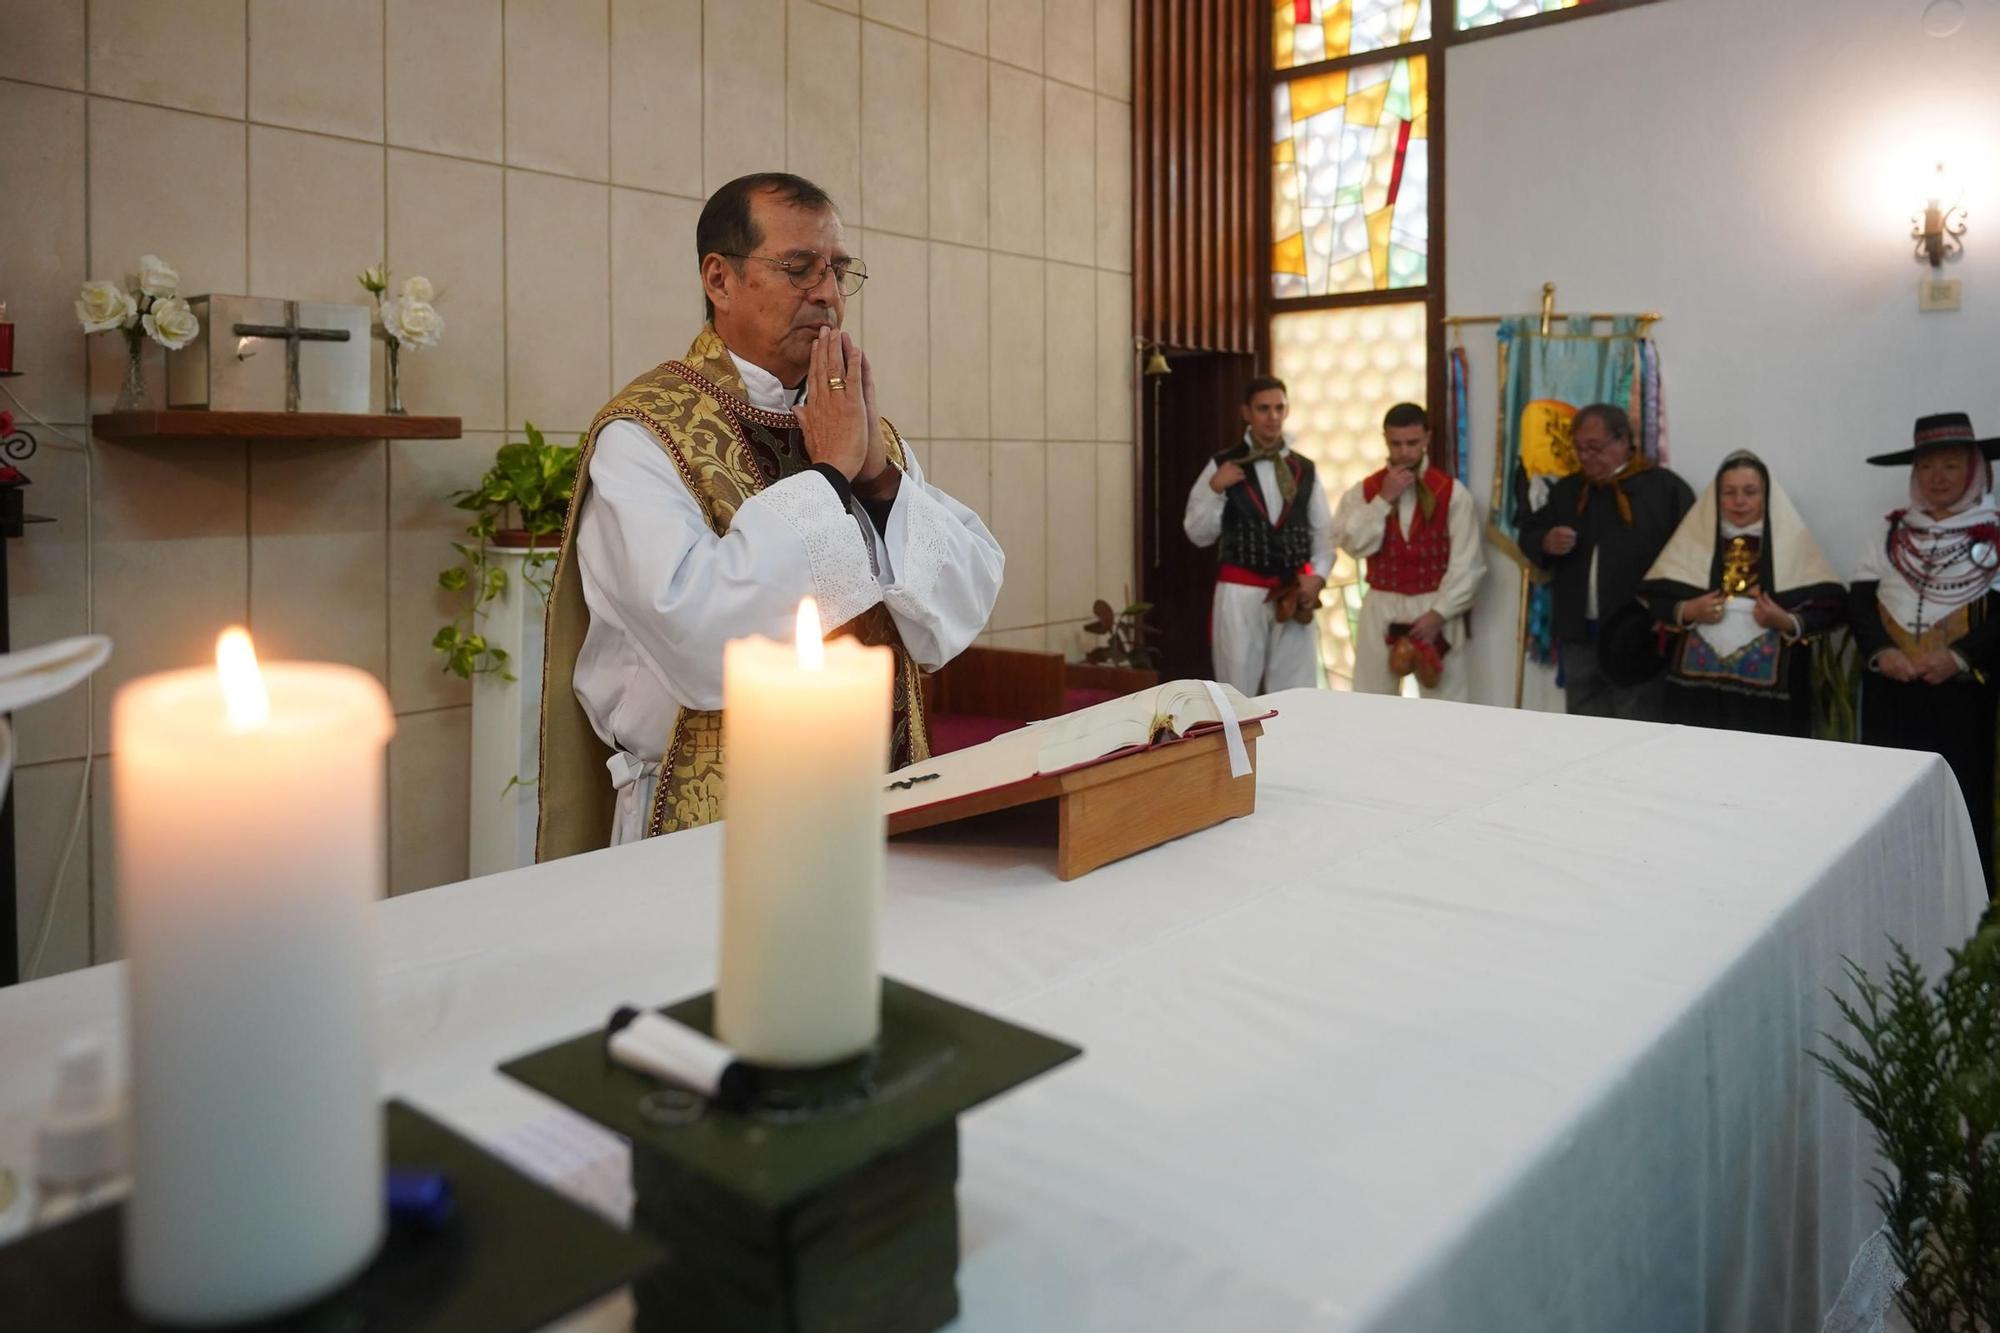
(1379, 610)
(1253, 651)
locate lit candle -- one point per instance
(805, 736)
(248, 810)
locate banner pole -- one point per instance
(1521, 640)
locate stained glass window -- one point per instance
(1350, 180)
(1479, 13)
(1309, 31)
(1343, 369)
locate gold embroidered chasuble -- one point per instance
(726, 451)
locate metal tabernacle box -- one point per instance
(263, 354)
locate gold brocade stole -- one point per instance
(1942, 634)
(725, 451)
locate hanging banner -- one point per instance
(1545, 379)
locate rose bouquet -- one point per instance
(147, 305)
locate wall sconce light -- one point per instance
(1940, 231)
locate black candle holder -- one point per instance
(512, 1256)
(829, 1201)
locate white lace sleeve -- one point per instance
(666, 594)
(944, 570)
(843, 579)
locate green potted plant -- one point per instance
(1924, 1072)
(1125, 661)
(520, 504)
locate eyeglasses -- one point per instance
(806, 269)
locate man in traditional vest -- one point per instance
(1419, 533)
(1265, 505)
(716, 492)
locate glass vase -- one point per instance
(392, 398)
(132, 394)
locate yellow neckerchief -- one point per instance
(1614, 483)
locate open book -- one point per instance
(1143, 721)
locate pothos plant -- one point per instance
(520, 502)
(1923, 1069)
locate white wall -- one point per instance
(1747, 167)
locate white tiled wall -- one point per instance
(543, 161)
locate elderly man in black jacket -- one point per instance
(1600, 531)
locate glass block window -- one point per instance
(1479, 13)
(1343, 369)
(1350, 180)
(1305, 32)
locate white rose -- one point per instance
(102, 306)
(418, 290)
(157, 277)
(171, 323)
(375, 278)
(412, 323)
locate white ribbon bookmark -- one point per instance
(1232, 730)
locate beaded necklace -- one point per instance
(1923, 556)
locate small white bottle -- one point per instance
(80, 1146)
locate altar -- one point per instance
(1484, 1020)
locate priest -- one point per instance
(717, 491)
(1419, 532)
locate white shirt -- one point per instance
(665, 593)
(1203, 520)
(1360, 524)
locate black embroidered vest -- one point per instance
(1250, 539)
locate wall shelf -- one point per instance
(199, 424)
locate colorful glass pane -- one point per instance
(1350, 180)
(1306, 32)
(1479, 13)
(1343, 369)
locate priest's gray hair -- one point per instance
(727, 227)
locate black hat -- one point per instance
(1629, 651)
(1943, 431)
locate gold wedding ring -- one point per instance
(836, 383)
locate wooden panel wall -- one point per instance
(1198, 253)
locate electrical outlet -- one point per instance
(1941, 294)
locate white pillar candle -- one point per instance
(805, 744)
(248, 813)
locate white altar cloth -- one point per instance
(1484, 1021)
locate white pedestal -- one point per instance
(506, 719)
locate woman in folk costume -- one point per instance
(1926, 614)
(1745, 588)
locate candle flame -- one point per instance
(244, 697)
(811, 643)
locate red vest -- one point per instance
(1413, 563)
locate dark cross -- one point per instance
(293, 336)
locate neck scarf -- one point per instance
(1614, 483)
(1254, 453)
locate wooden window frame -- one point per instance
(1445, 34)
